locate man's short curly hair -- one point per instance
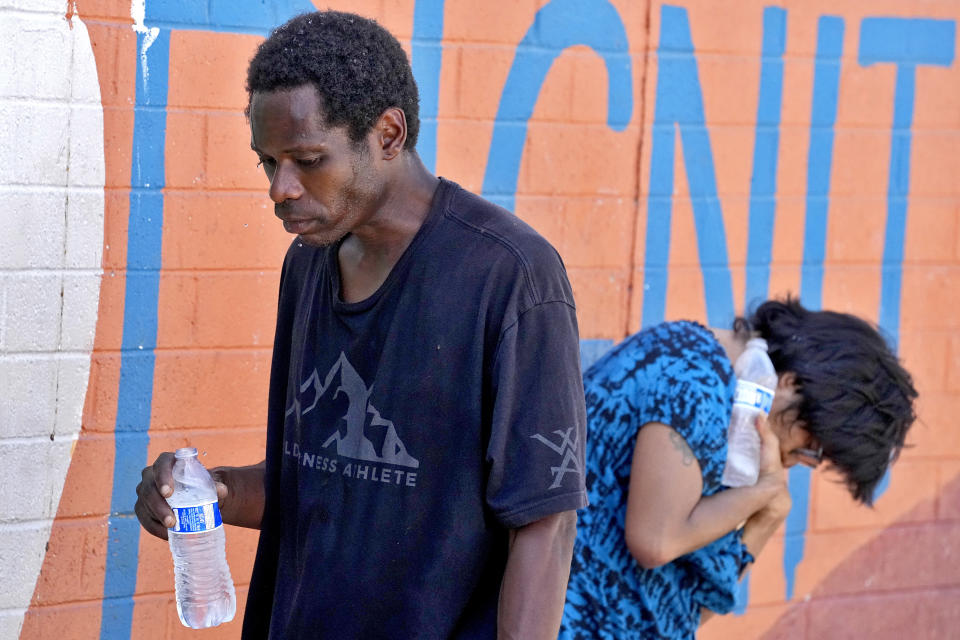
(358, 68)
(855, 397)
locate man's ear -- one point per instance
(786, 380)
(391, 130)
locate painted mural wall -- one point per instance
(686, 158)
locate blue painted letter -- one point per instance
(680, 104)
(823, 115)
(558, 25)
(906, 42)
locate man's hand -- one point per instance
(239, 492)
(535, 581)
(156, 484)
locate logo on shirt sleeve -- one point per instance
(567, 449)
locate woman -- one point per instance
(662, 540)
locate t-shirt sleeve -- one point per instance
(718, 567)
(537, 440)
(679, 402)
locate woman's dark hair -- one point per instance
(856, 398)
(358, 68)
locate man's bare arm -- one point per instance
(239, 491)
(535, 582)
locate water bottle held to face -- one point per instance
(204, 588)
(756, 383)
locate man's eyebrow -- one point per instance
(318, 146)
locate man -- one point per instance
(425, 434)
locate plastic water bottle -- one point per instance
(205, 593)
(756, 383)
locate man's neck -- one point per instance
(368, 255)
(406, 203)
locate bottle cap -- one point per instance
(757, 343)
(186, 452)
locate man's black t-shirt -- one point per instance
(408, 432)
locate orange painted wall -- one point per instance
(889, 572)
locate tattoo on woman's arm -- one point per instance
(681, 445)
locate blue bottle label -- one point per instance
(754, 396)
(197, 519)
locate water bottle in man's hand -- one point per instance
(756, 383)
(205, 594)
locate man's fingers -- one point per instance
(149, 522)
(163, 474)
(153, 505)
(152, 510)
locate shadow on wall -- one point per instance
(905, 583)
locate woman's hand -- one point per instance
(772, 474)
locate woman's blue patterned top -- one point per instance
(678, 374)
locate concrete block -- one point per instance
(210, 67)
(953, 366)
(81, 293)
(948, 491)
(230, 164)
(601, 296)
(47, 496)
(33, 308)
(898, 614)
(22, 549)
(86, 166)
(247, 234)
(32, 229)
(28, 403)
(908, 499)
(85, 225)
(32, 475)
(89, 487)
(39, 48)
(935, 433)
(55, 7)
(11, 621)
(73, 375)
(82, 619)
(33, 143)
(929, 298)
(925, 354)
(187, 389)
(85, 84)
(193, 309)
(73, 571)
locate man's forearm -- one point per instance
(243, 504)
(535, 581)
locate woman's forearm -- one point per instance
(717, 515)
(711, 518)
(759, 528)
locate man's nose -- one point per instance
(285, 184)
